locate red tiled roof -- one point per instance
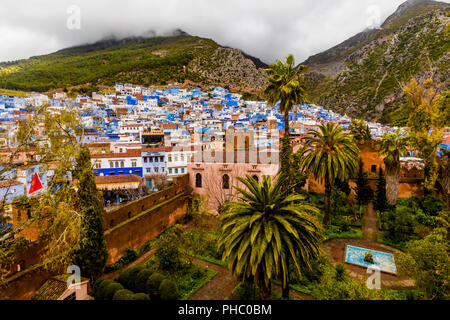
(166, 149)
(127, 178)
(11, 183)
(130, 153)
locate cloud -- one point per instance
(266, 29)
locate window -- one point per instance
(226, 181)
(133, 164)
(182, 170)
(169, 159)
(182, 158)
(374, 168)
(111, 164)
(156, 169)
(170, 170)
(198, 180)
(156, 159)
(98, 165)
(117, 164)
(145, 159)
(176, 170)
(161, 159)
(151, 159)
(176, 158)
(162, 169)
(149, 170)
(122, 164)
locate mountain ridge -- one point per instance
(364, 75)
(151, 60)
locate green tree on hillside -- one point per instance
(92, 254)
(427, 115)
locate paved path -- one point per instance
(223, 284)
(370, 228)
(220, 287)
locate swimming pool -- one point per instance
(385, 261)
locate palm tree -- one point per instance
(285, 85)
(264, 230)
(334, 155)
(393, 145)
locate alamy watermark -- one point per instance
(74, 19)
(74, 280)
(374, 281)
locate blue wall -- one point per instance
(125, 171)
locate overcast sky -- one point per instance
(267, 29)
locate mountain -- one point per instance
(150, 60)
(364, 75)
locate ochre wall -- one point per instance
(139, 230)
(134, 232)
(149, 216)
(407, 187)
(128, 211)
(23, 285)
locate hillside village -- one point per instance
(166, 167)
(155, 133)
(151, 146)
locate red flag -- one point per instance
(35, 184)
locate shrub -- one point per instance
(128, 277)
(141, 296)
(247, 290)
(96, 286)
(153, 284)
(340, 272)
(123, 294)
(140, 284)
(167, 252)
(399, 224)
(111, 289)
(100, 292)
(168, 290)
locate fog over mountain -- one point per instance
(262, 28)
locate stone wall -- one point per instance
(140, 221)
(130, 210)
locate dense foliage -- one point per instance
(91, 254)
(333, 156)
(266, 230)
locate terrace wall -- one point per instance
(148, 218)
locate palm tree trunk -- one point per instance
(392, 182)
(285, 287)
(265, 290)
(326, 219)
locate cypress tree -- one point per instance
(381, 203)
(91, 254)
(364, 194)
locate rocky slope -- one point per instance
(364, 75)
(147, 61)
